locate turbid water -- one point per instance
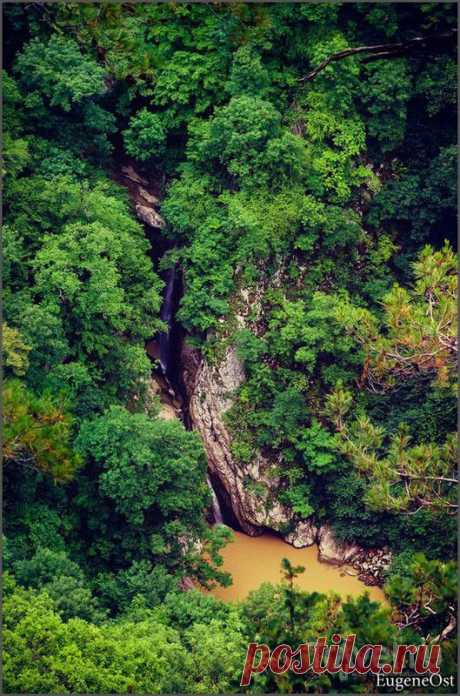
(254, 560)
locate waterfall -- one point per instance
(167, 315)
(216, 511)
(167, 358)
(167, 353)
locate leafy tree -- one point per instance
(437, 85)
(45, 655)
(425, 594)
(387, 92)
(92, 286)
(184, 609)
(15, 349)
(16, 154)
(63, 580)
(354, 521)
(217, 651)
(290, 573)
(419, 330)
(283, 614)
(146, 463)
(246, 138)
(57, 70)
(145, 136)
(142, 581)
(189, 83)
(153, 472)
(424, 206)
(87, 268)
(248, 75)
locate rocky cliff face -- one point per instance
(210, 392)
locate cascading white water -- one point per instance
(216, 510)
(167, 315)
(166, 356)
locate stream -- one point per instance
(169, 357)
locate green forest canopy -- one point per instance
(330, 192)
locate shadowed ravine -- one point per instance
(167, 315)
(169, 343)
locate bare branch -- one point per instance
(404, 474)
(447, 630)
(379, 51)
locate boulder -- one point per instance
(304, 534)
(149, 216)
(332, 551)
(148, 197)
(130, 173)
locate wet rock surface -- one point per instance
(372, 564)
(304, 534)
(149, 216)
(332, 551)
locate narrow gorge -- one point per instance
(200, 394)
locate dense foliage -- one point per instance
(313, 220)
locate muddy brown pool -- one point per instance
(254, 560)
